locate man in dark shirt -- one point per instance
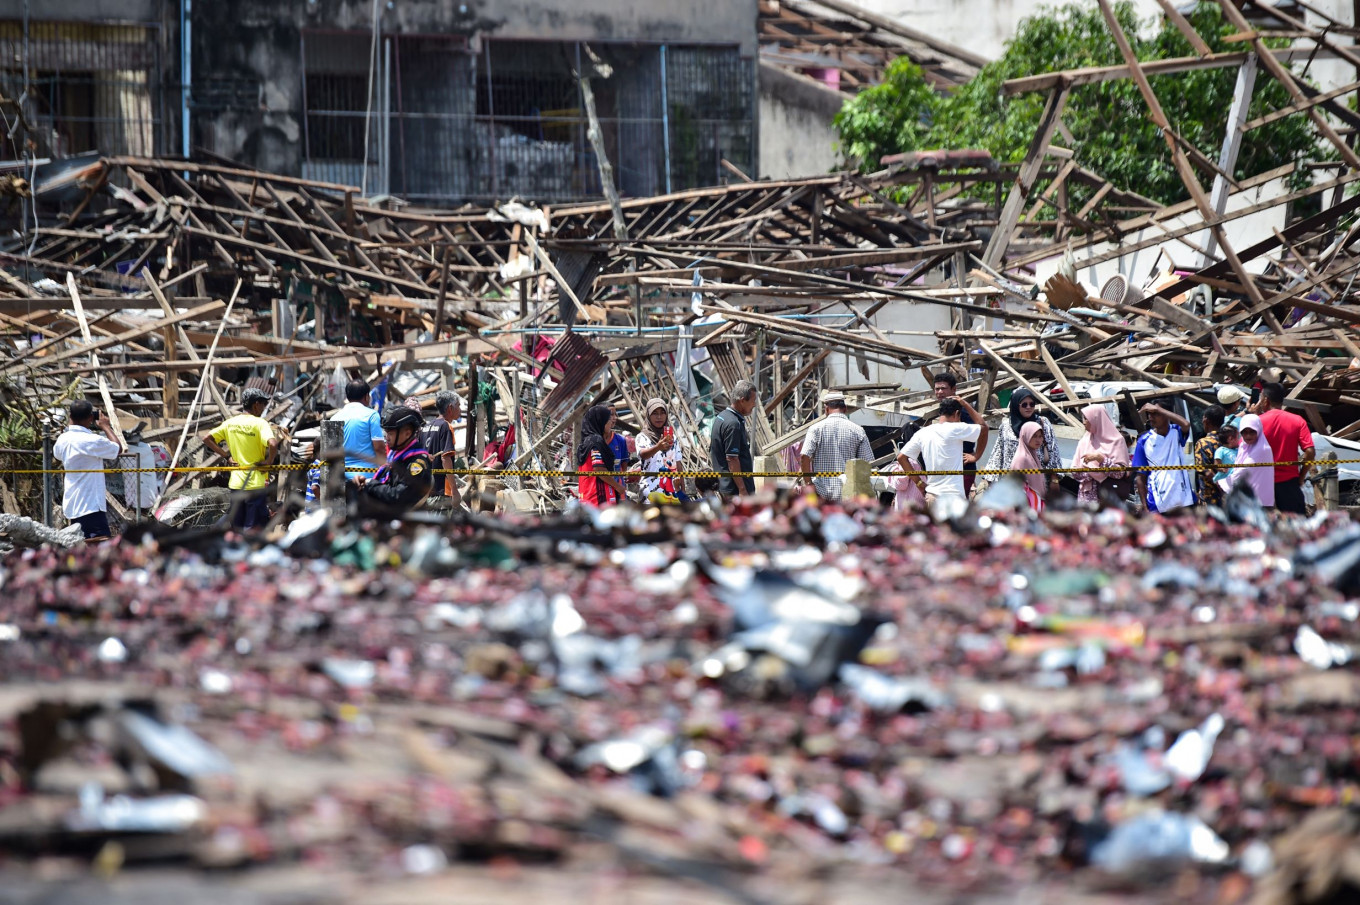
(437, 438)
(947, 387)
(730, 446)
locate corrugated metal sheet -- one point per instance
(581, 363)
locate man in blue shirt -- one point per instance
(363, 431)
(1163, 444)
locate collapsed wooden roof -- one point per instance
(838, 37)
(765, 279)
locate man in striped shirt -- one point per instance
(830, 444)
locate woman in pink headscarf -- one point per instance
(1102, 446)
(1027, 462)
(1254, 448)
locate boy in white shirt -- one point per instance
(939, 447)
(80, 449)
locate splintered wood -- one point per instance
(1022, 276)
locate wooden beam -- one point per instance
(201, 312)
(1020, 378)
(1185, 28)
(94, 359)
(1178, 158)
(1285, 78)
(1024, 180)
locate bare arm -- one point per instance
(806, 462)
(215, 447)
(450, 485)
(380, 448)
(1309, 454)
(734, 465)
(663, 444)
(905, 464)
(107, 428)
(1171, 416)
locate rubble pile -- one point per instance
(980, 702)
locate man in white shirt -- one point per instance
(81, 450)
(939, 447)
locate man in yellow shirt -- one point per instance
(250, 441)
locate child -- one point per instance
(1228, 440)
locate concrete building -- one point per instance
(815, 55)
(437, 101)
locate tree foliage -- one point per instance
(1109, 120)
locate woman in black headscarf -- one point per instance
(1024, 408)
(596, 486)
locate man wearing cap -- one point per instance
(1233, 401)
(250, 441)
(831, 443)
(405, 480)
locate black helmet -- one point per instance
(252, 395)
(395, 417)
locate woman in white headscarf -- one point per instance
(1254, 450)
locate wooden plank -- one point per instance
(1090, 75)
(1029, 172)
(201, 312)
(1185, 28)
(178, 332)
(94, 360)
(1286, 79)
(1047, 356)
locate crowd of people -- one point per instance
(1156, 469)
(1246, 442)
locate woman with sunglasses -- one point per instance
(1024, 408)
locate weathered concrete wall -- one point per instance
(258, 41)
(796, 137)
(85, 10)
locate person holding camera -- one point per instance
(82, 452)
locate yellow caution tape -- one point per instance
(550, 473)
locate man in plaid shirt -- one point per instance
(830, 444)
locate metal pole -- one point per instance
(47, 473)
(385, 108)
(665, 120)
(186, 77)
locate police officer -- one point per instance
(406, 479)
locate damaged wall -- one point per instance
(249, 64)
(796, 137)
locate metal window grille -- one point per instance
(90, 87)
(449, 125)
